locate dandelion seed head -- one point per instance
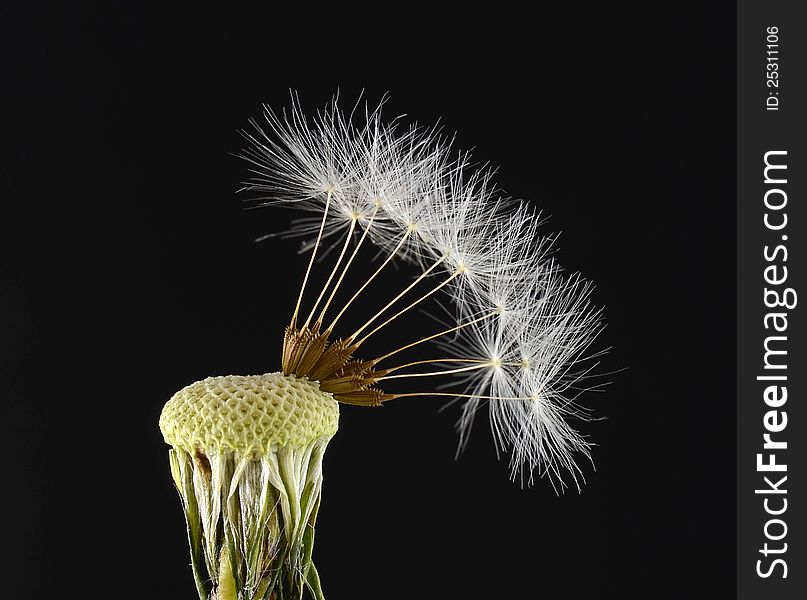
(517, 345)
(523, 330)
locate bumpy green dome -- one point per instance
(248, 414)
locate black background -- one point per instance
(128, 271)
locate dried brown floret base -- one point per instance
(308, 353)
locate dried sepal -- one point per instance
(251, 522)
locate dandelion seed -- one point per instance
(247, 451)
